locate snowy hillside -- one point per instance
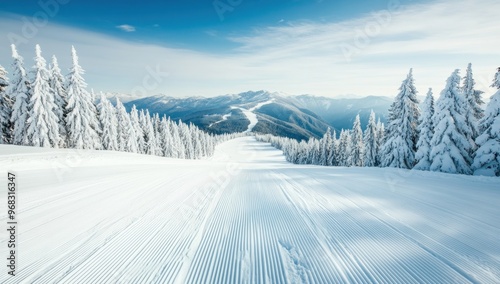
(299, 117)
(245, 216)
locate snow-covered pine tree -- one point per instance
(196, 141)
(81, 118)
(451, 148)
(178, 148)
(399, 148)
(487, 158)
(344, 149)
(332, 154)
(380, 141)
(357, 143)
(42, 123)
(472, 103)
(5, 109)
(109, 122)
(56, 83)
(326, 148)
(139, 132)
(150, 138)
(127, 141)
(187, 140)
(20, 95)
(493, 109)
(167, 137)
(370, 140)
(426, 130)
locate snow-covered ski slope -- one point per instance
(251, 116)
(245, 216)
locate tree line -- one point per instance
(452, 135)
(43, 108)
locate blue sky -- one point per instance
(192, 23)
(321, 47)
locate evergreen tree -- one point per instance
(344, 149)
(178, 149)
(399, 148)
(127, 140)
(380, 141)
(370, 141)
(139, 132)
(168, 150)
(326, 148)
(150, 137)
(357, 149)
(487, 158)
(332, 154)
(81, 118)
(109, 122)
(5, 109)
(187, 140)
(451, 148)
(473, 111)
(493, 109)
(42, 123)
(20, 94)
(56, 83)
(426, 129)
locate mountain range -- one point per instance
(299, 117)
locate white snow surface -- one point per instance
(251, 116)
(244, 216)
(224, 118)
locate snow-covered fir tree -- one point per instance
(178, 149)
(108, 122)
(357, 149)
(380, 140)
(370, 141)
(426, 130)
(5, 109)
(473, 110)
(149, 134)
(344, 149)
(186, 139)
(127, 140)
(399, 148)
(20, 95)
(81, 118)
(42, 123)
(332, 155)
(56, 83)
(451, 148)
(168, 150)
(487, 158)
(326, 149)
(139, 132)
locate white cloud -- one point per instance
(126, 28)
(295, 58)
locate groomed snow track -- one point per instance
(245, 216)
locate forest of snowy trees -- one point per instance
(453, 135)
(46, 109)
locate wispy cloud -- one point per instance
(300, 57)
(126, 28)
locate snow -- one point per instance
(251, 116)
(224, 118)
(245, 216)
